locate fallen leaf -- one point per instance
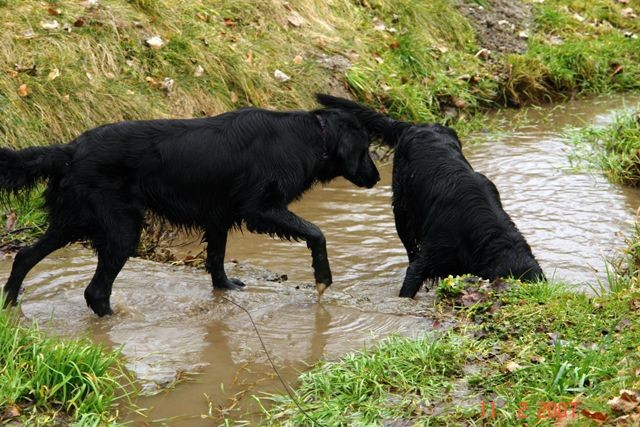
(110, 75)
(458, 102)
(295, 19)
(628, 12)
(23, 90)
(394, 44)
(483, 53)
(50, 25)
(228, 22)
(234, 97)
(618, 68)
(622, 325)
(523, 35)
(298, 59)
(54, 11)
(598, 417)
(53, 74)
(626, 402)
(154, 42)
(627, 420)
(79, 22)
(470, 298)
(512, 367)
(248, 57)
(280, 76)
(380, 26)
(199, 71)
(11, 221)
(10, 411)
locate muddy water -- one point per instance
(169, 321)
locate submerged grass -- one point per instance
(46, 380)
(545, 354)
(613, 149)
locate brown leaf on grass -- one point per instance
(616, 69)
(233, 96)
(12, 218)
(626, 402)
(228, 22)
(23, 90)
(54, 11)
(472, 297)
(10, 411)
(458, 102)
(598, 417)
(298, 59)
(623, 325)
(79, 22)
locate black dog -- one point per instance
(449, 217)
(238, 168)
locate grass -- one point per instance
(45, 380)
(612, 149)
(534, 351)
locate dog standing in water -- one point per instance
(449, 217)
(217, 173)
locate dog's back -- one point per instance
(456, 213)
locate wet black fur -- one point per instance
(238, 168)
(449, 217)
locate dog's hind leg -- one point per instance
(28, 257)
(287, 225)
(114, 249)
(216, 246)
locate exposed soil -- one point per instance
(501, 25)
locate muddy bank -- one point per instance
(500, 25)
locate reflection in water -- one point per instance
(168, 319)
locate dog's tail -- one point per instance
(23, 169)
(375, 123)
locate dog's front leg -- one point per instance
(287, 225)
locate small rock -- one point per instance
(280, 76)
(199, 71)
(523, 35)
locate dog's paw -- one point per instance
(235, 284)
(101, 308)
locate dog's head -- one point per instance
(350, 149)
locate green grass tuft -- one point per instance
(49, 378)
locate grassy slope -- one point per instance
(96, 68)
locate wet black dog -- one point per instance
(449, 217)
(238, 168)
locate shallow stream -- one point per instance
(169, 322)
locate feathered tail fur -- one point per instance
(23, 169)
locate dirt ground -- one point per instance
(501, 25)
